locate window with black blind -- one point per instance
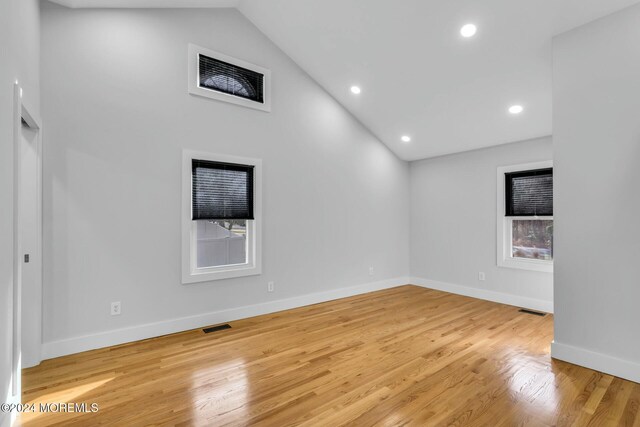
(222, 191)
(529, 193)
(224, 77)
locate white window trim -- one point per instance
(196, 89)
(504, 224)
(191, 274)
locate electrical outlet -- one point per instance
(481, 276)
(271, 287)
(116, 308)
(370, 271)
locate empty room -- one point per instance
(319, 213)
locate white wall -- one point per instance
(597, 176)
(453, 226)
(7, 76)
(19, 53)
(118, 116)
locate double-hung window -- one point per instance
(525, 216)
(221, 217)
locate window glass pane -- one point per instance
(232, 79)
(532, 239)
(222, 242)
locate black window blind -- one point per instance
(221, 190)
(529, 193)
(231, 79)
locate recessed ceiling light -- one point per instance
(355, 90)
(516, 109)
(468, 30)
(406, 138)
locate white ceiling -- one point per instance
(141, 4)
(418, 76)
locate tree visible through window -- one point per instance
(532, 239)
(529, 209)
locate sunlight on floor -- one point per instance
(229, 396)
(68, 393)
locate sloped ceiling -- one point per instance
(419, 76)
(141, 4)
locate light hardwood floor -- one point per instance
(404, 356)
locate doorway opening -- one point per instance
(27, 242)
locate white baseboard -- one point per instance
(509, 299)
(600, 362)
(135, 333)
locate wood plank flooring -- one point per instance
(404, 356)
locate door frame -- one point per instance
(22, 111)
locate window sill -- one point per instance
(524, 264)
(209, 275)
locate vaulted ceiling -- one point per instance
(419, 77)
